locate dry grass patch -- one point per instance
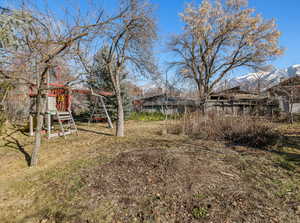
(147, 177)
(183, 184)
(241, 130)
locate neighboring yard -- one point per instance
(148, 177)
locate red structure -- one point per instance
(63, 95)
(63, 98)
(61, 92)
(58, 107)
(58, 104)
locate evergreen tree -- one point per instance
(99, 79)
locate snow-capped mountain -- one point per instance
(251, 81)
(293, 70)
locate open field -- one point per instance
(148, 177)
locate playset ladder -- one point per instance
(66, 122)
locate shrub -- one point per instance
(199, 212)
(242, 130)
(150, 116)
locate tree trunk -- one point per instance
(120, 119)
(38, 130)
(203, 107)
(291, 112)
(202, 94)
(184, 122)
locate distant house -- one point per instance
(164, 103)
(287, 93)
(232, 101)
(237, 101)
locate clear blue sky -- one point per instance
(285, 12)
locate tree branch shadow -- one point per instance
(292, 142)
(93, 131)
(13, 143)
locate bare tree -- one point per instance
(43, 39)
(220, 37)
(260, 80)
(129, 42)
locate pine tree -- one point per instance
(99, 79)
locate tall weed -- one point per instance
(242, 130)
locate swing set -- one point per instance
(58, 108)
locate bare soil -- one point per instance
(185, 185)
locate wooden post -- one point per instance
(31, 133)
(184, 121)
(49, 125)
(48, 116)
(272, 113)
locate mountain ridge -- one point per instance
(261, 80)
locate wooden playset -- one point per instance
(58, 107)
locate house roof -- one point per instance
(234, 90)
(236, 93)
(171, 100)
(164, 95)
(152, 97)
(293, 81)
(88, 92)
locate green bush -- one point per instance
(151, 116)
(199, 212)
(145, 116)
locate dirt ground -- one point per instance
(148, 177)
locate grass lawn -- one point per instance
(148, 177)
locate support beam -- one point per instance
(48, 116)
(31, 133)
(106, 113)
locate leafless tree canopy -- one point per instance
(42, 40)
(128, 41)
(220, 37)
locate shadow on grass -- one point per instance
(14, 143)
(291, 158)
(292, 142)
(93, 131)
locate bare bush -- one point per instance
(241, 130)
